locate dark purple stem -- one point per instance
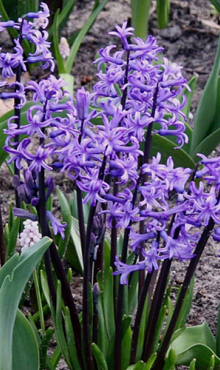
(189, 274)
(81, 220)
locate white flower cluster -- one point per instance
(64, 48)
(30, 235)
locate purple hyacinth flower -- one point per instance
(38, 160)
(18, 94)
(26, 189)
(137, 239)
(56, 225)
(6, 24)
(151, 257)
(46, 60)
(39, 39)
(83, 99)
(123, 33)
(125, 269)
(42, 15)
(22, 213)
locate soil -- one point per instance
(190, 40)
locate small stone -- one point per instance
(171, 33)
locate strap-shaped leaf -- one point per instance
(81, 35)
(25, 352)
(140, 17)
(163, 9)
(196, 342)
(166, 148)
(10, 293)
(207, 145)
(207, 106)
(99, 358)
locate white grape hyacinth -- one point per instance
(64, 48)
(30, 235)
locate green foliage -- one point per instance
(196, 342)
(207, 119)
(13, 278)
(140, 12)
(216, 4)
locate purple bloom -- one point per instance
(151, 257)
(38, 160)
(18, 94)
(95, 189)
(56, 225)
(6, 24)
(19, 154)
(26, 189)
(83, 99)
(9, 61)
(39, 39)
(125, 269)
(46, 60)
(123, 32)
(137, 239)
(22, 213)
(42, 15)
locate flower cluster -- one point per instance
(9, 62)
(105, 138)
(30, 235)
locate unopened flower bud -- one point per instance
(96, 293)
(64, 48)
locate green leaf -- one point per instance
(132, 293)
(10, 293)
(141, 333)
(66, 216)
(45, 287)
(216, 121)
(59, 59)
(150, 362)
(207, 145)
(207, 106)
(166, 147)
(192, 364)
(70, 340)
(186, 305)
(170, 360)
(218, 334)
(189, 94)
(195, 342)
(138, 366)
(81, 35)
(26, 6)
(140, 10)
(25, 353)
(163, 9)
(13, 33)
(108, 307)
(74, 249)
(59, 329)
(69, 79)
(99, 358)
(162, 315)
(126, 343)
(102, 333)
(13, 237)
(216, 4)
(211, 363)
(63, 16)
